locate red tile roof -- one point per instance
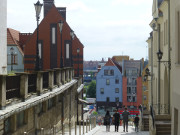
(12, 36)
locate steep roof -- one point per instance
(110, 62)
(12, 36)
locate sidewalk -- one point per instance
(102, 131)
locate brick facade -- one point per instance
(51, 19)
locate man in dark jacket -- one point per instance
(116, 119)
(136, 122)
(125, 115)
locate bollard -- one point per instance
(95, 122)
(75, 128)
(79, 128)
(86, 126)
(89, 125)
(42, 131)
(83, 127)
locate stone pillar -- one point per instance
(73, 73)
(2, 91)
(24, 86)
(51, 79)
(39, 83)
(70, 74)
(67, 75)
(14, 123)
(63, 76)
(58, 76)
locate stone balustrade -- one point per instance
(56, 78)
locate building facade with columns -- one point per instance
(3, 39)
(160, 69)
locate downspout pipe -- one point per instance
(169, 58)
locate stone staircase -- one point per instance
(163, 125)
(146, 122)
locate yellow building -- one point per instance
(145, 99)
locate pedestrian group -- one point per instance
(116, 120)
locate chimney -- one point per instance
(62, 11)
(47, 6)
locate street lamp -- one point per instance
(38, 7)
(72, 38)
(133, 95)
(12, 53)
(117, 103)
(159, 56)
(60, 28)
(78, 50)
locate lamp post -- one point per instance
(60, 28)
(159, 55)
(72, 38)
(78, 50)
(12, 53)
(38, 7)
(133, 95)
(117, 103)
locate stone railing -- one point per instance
(22, 85)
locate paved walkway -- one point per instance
(102, 131)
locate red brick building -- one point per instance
(50, 42)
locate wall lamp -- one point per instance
(166, 63)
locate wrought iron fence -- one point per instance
(12, 87)
(32, 83)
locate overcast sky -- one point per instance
(105, 27)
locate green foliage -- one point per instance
(91, 91)
(84, 98)
(95, 113)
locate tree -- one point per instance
(91, 92)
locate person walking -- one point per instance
(116, 119)
(136, 122)
(107, 121)
(125, 115)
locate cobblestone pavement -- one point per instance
(102, 131)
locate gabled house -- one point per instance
(15, 55)
(109, 87)
(50, 42)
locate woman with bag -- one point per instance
(107, 121)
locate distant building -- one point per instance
(119, 59)
(132, 83)
(3, 38)
(50, 43)
(91, 69)
(145, 89)
(15, 61)
(109, 86)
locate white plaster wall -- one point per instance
(3, 37)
